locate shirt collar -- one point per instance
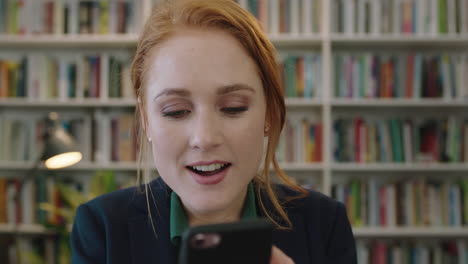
(179, 221)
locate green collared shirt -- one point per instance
(179, 221)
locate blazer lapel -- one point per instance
(292, 242)
(150, 245)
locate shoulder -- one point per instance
(126, 201)
(97, 220)
(114, 201)
(105, 211)
(102, 225)
(324, 219)
(321, 214)
(311, 202)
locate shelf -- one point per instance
(399, 167)
(81, 166)
(24, 229)
(114, 103)
(296, 40)
(75, 103)
(279, 40)
(410, 103)
(297, 167)
(303, 102)
(417, 232)
(366, 40)
(132, 166)
(130, 41)
(337, 167)
(69, 41)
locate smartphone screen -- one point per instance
(245, 241)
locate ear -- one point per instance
(266, 129)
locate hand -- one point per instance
(278, 257)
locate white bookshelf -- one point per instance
(116, 103)
(326, 107)
(367, 40)
(81, 166)
(399, 167)
(132, 166)
(130, 40)
(411, 232)
(69, 41)
(71, 104)
(24, 229)
(399, 102)
(303, 102)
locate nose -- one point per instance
(206, 132)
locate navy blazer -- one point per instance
(115, 229)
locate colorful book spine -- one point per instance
(412, 75)
(407, 203)
(300, 141)
(398, 140)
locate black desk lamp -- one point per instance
(60, 149)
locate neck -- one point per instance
(229, 214)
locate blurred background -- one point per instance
(377, 100)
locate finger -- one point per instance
(278, 257)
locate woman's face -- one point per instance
(206, 116)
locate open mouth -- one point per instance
(209, 170)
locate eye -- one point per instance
(234, 110)
(176, 114)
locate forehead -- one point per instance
(200, 59)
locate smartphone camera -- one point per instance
(205, 240)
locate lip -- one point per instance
(209, 180)
(200, 163)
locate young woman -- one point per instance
(209, 96)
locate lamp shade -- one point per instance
(60, 149)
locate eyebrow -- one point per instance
(220, 90)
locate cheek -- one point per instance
(248, 139)
(165, 141)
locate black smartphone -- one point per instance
(245, 241)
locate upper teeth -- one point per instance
(210, 167)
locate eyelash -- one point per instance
(234, 110)
(230, 111)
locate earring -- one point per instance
(149, 139)
(266, 129)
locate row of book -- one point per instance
(65, 76)
(400, 140)
(413, 75)
(39, 200)
(408, 17)
(24, 204)
(29, 250)
(414, 202)
(412, 252)
(104, 137)
(19, 17)
(19, 201)
(300, 141)
(301, 75)
(286, 16)
(110, 136)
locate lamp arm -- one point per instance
(27, 176)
